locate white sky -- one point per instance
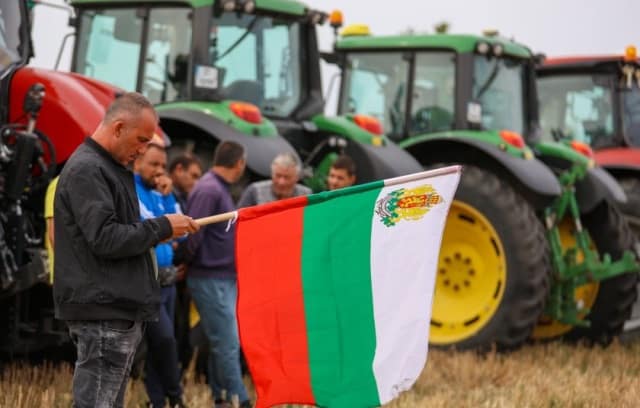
(551, 26)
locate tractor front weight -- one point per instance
(580, 264)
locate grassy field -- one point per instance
(552, 375)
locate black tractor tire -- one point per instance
(612, 307)
(631, 209)
(528, 265)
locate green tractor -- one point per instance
(242, 70)
(529, 248)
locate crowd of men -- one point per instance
(125, 234)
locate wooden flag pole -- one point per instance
(216, 218)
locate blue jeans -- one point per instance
(105, 350)
(162, 377)
(216, 302)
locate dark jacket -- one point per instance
(104, 259)
(211, 251)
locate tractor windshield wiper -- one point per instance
(239, 40)
(492, 77)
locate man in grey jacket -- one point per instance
(105, 286)
(285, 173)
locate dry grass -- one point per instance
(553, 375)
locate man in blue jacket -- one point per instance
(105, 285)
(153, 185)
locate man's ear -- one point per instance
(118, 127)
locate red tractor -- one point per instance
(44, 116)
(596, 100)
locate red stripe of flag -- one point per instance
(271, 317)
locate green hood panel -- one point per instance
(456, 42)
(563, 151)
(222, 112)
(277, 6)
(490, 137)
(344, 126)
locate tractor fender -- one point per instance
(530, 177)
(261, 150)
(72, 109)
(380, 162)
(596, 186)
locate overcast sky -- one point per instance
(551, 26)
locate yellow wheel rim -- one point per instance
(471, 276)
(585, 295)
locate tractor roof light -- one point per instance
(582, 148)
(228, 5)
(483, 48)
(249, 6)
(630, 54)
(512, 138)
(246, 111)
(368, 123)
(336, 19)
(498, 50)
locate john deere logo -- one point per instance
(407, 204)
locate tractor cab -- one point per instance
(595, 100)
(416, 85)
(239, 69)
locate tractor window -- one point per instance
(109, 46)
(168, 47)
(375, 84)
(432, 105)
(577, 107)
(258, 61)
(498, 85)
(11, 44)
(631, 114)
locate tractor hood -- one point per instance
(72, 109)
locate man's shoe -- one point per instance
(246, 404)
(177, 403)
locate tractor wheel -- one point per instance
(494, 268)
(609, 301)
(631, 209)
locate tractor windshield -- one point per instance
(258, 60)
(110, 43)
(498, 85)
(376, 84)
(577, 107)
(12, 43)
(631, 114)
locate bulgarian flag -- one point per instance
(335, 290)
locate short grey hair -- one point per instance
(287, 160)
(130, 103)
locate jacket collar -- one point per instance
(101, 151)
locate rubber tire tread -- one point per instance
(528, 260)
(616, 296)
(631, 187)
